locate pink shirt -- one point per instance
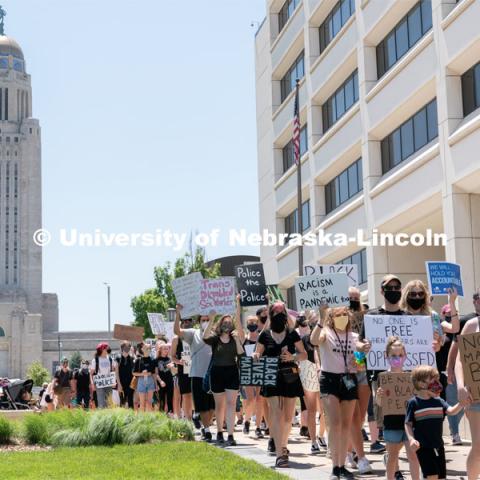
(331, 356)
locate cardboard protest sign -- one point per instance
(315, 290)
(187, 293)
(105, 380)
(125, 332)
(442, 276)
(397, 391)
(274, 293)
(416, 333)
(261, 373)
(157, 323)
(309, 376)
(469, 347)
(217, 294)
(251, 284)
(351, 270)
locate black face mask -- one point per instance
(252, 327)
(415, 303)
(278, 322)
(392, 296)
(355, 305)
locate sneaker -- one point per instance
(246, 427)
(365, 435)
(220, 439)
(456, 440)
(266, 431)
(196, 421)
(399, 475)
(263, 426)
(314, 449)
(258, 433)
(335, 475)
(322, 442)
(377, 447)
(349, 461)
(345, 474)
(231, 441)
(202, 432)
(240, 421)
(304, 431)
(364, 466)
(271, 446)
(208, 437)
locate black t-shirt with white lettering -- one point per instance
(144, 363)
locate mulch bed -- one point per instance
(23, 447)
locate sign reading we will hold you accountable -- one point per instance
(312, 291)
(444, 275)
(416, 333)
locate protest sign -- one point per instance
(469, 347)
(397, 391)
(249, 349)
(442, 276)
(187, 293)
(416, 333)
(315, 290)
(309, 376)
(264, 372)
(105, 380)
(169, 330)
(351, 270)
(274, 293)
(251, 284)
(125, 332)
(157, 323)
(217, 294)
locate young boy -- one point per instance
(424, 422)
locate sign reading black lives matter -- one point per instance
(251, 284)
(416, 333)
(312, 291)
(264, 372)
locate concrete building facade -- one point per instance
(389, 97)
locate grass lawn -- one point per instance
(162, 461)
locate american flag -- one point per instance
(296, 128)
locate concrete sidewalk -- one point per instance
(305, 466)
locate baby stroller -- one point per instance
(15, 394)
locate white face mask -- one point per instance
(204, 325)
(340, 322)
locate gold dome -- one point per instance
(8, 46)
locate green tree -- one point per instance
(75, 360)
(38, 373)
(161, 298)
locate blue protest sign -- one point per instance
(442, 276)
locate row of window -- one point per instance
(334, 22)
(286, 12)
(288, 151)
(344, 186)
(291, 221)
(3, 103)
(471, 89)
(289, 80)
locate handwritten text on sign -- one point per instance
(397, 391)
(157, 323)
(444, 275)
(105, 380)
(315, 290)
(351, 270)
(251, 284)
(309, 376)
(264, 372)
(187, 293)
(469, 346)
(416, 332)
(217, 294)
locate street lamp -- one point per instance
(108, 302)
(171, 312)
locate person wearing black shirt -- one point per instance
(145, 369)
(124, 373)
(63, 384)
(82, 382)
(165, 378)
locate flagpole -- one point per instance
(299, 187)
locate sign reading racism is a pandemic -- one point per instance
(259, 373)
(350, 270)
(416, 333)
(251, 284)
(315, 290)
(397, 391)
(469, 346)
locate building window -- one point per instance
(340, 102)
(291, 221)
(334, 22)
(344, 186)
(6, 104)
(2, 332)
(286, 12)
(291, 298)
(471, 89)
(288, 150)
(411, 28)
(359, 259)
(288, 82)
(410, 137)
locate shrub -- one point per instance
(35, 429)
(38, 373)
(6, 431)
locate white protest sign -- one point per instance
(169, 330)
(157, 323)
(309, 376)
(351, 270)
(416, 333)
(105, 380)
(315, 290)
(187, 293)
(218, 294)
(186, 357)
(249, 349)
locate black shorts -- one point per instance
(332, 384)
(432, 461)
(184, 384)
(202, 401)
(224, 378)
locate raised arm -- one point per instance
(176, 326)
(208, 331)
(454, 326)
(238, 321)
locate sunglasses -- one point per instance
(416, 294)
(392, 288)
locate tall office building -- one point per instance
(389, 97)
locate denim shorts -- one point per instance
(474, 407)
(395, 436)
(145, 384)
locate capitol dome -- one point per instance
(8, 46)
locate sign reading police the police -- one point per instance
(312, 291)
(416, 333)
(263, 372)
(105, 380)
(469, 346)
(251, 284)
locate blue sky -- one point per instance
(147, 110)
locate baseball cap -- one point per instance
(102, 346)
(446, 309)
(388, 278)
